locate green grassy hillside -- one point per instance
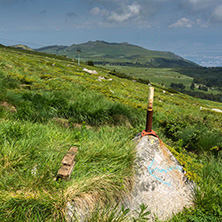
(101, 52)
(48, 104)
(201, 82)
(164, 76)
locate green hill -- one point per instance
(49, 103)
(101, 52)
(20, 46)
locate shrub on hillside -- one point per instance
(90, 63)
(177, 85)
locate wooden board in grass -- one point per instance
(68, 163)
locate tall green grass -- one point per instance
(30, 156)
(83, 106)
(208, 194)
(117, 213)
(194, 133)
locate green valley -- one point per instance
(164, 68)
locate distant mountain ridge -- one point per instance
(101, 52)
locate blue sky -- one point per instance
(184, 27)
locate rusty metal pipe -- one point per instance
(149, 116)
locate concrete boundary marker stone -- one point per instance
(160, 181)
(68, 163)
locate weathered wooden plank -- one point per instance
(65, 172)
(68, 163)
(68, 160)
(73, 150)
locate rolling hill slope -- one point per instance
(101, 52)
(49, 103)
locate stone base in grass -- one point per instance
(160, 181)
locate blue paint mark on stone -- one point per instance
(152, 171)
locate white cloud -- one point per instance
(201, 5)
(134, 9)
(127, 13)
(95, 11)
(202, 2)
(217, 14)
(183, 22)
(195, 1)
(202, 24)
(203, 13)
